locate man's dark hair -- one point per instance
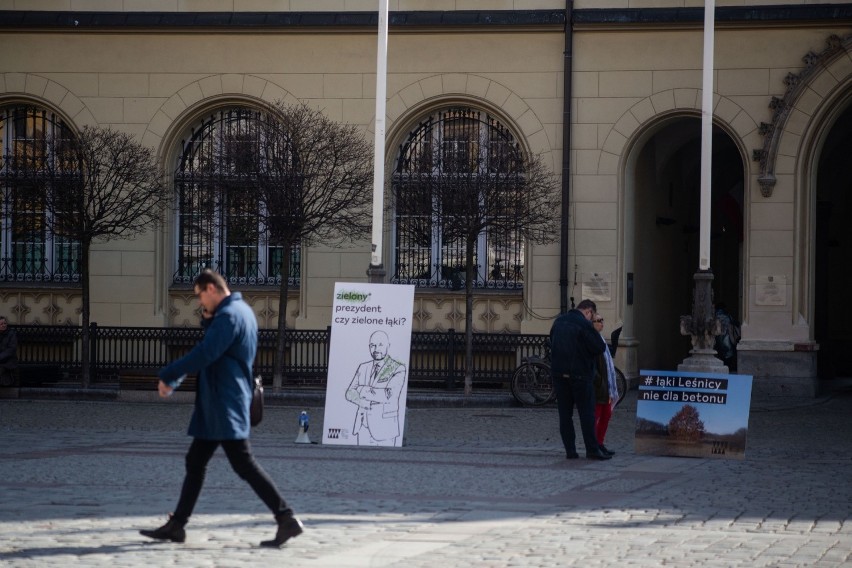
(208, 276)
(587, 305)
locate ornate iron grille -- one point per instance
(437, 358)
(450, 148)
(219, 222)
(30, 250)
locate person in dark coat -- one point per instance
(606, 389)
(8, 353)
(574, 350)
(223, 362)
(726, 342)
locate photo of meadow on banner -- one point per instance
(692, 414)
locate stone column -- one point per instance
(703, 326)
(376, 274)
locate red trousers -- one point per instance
(603, 412)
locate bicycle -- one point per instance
(532, 384)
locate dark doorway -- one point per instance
(833, 271)
(668, 198)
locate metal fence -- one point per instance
(49, 354)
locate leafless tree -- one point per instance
(511, 197)
(100, 185)
(312, 185)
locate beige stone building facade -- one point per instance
(625, 75)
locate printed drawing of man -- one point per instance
(376, 389)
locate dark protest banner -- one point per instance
(692, 414)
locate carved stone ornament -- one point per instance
(796, 83)
(702, 326)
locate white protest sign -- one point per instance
(368, 364)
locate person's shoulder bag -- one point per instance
(256, 408)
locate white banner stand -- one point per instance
(368, 364)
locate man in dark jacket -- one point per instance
(223, 361)
(574, 350)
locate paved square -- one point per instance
(471, 487)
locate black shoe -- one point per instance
(288, 527)
(172, 530)
(606, 450)
(598, 455)
(573, 456)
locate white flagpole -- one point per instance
(702, 325)
(706, 137)
(379, 159)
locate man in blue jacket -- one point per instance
(574, 350)
(223, 362)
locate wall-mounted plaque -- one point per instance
(597, 286)
(770, 291)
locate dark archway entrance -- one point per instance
(667, 203)
(833, 271)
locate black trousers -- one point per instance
(580, 393)
(243, 463)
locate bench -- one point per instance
(35, 374)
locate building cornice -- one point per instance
(726, 16)
(260, 21)
(780, 15)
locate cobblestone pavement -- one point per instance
(471, 487)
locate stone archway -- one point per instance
(164, 132)
(32, 86)
(494, 312)
(414, 99)
(666, 232)
(164, 129)
(805, 154)
(833, 249)
(666, 116)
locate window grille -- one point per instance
(30, 249)
(454, 146)
(219, 222)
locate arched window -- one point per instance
(220, 224)
(31, 249)
(454, 160)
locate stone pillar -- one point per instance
(703, 326)
(376, 274)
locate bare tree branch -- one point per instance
(311, 186)
(506, 195)
(100, 186)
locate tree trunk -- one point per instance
(468, 317)
(85, 353)
(281, 338)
